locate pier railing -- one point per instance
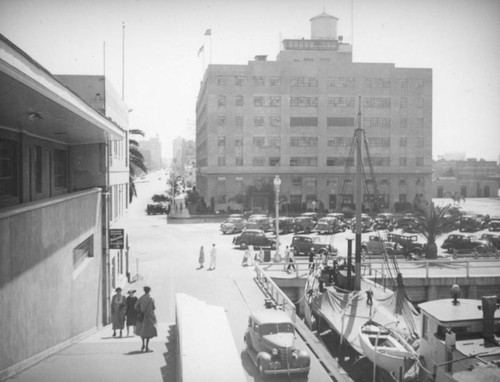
(279, 297)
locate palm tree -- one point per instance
(434, 221)
(136, 161)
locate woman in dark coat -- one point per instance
(130, 312)
(146, 329)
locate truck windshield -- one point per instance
(283, 327)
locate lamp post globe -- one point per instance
(277, 184)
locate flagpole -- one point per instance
(210, 46)
(123, 60)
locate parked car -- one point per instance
(261, 222)
(406, 224)
(255, 237)
(338, 215)
(472, 223)
(468, 243)
(301, 245)
(366, 223)
(304, 224)
(386, 216)
(492, 238)
(233, 225)
(312, 215)
(382, 223)
(157, 209)
(329, 225)
(376, 245)
(494, 224)
(270, 343)
(286, 225)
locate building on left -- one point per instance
(63, 196)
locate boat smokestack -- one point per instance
(489, 307)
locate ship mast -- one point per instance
(358, 134)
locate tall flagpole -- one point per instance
(210, 46)
(123, 60)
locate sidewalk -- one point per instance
(100, 357)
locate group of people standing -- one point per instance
(213, 257)
(138, 313)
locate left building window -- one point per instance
(60, 169)
(84, 250)
(8, 168)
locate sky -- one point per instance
(458, 39)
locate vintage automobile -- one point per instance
(366, 223)
(255, 237)
(304, 224)
(329, 225)
(382, 223)
(494, 224)
(301, 245)
(233, 225)
(157, 209)
(406, 224)
(270, 343)
(407, 245)
(261, 222)
(468, 243)
(286, 225)
(492, 238)
(312, 215)
(472, 223)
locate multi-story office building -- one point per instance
(63, 184)
(151, 151)
(295, 117)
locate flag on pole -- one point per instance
(200, 50)
(208, 32)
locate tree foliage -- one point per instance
(136, 161)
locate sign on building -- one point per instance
(116, 238)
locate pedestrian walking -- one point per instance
(118, 307)
(291, 259)
(201, 257)
(130, 312)
(146, 318)
(311, 258)
(213, 257)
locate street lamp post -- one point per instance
(277, 183)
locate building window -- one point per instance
(379, 161)
(274, 161)
(402, 198)
(239, 100)
(258, 161)
(402, 182)
(304, 161)
(8, 168)
(60, 169)
(274, 81)
(296, 199)
(258, 121)
(339, 161)
(275, 121)
(274, 142)
(384, 142)
(303, 81)
(403, 103)
(377, 83)
(332, 202)
(340, 141)
(221, 161)
(239, 80)
(221, 141)
(420, 162)
(259, 101)
(238, 120)
(83, 251)
(377, 102)
(304, 141)
(297, 181)
(259, 81)
(341, 82)
(419, 181)
(419, 83)
(274, 101)
(304, 121)
(403, 123)
(341, 101)
(238, 161)
(403, 141)
(221, 80)
(310, 182)
(340, 121)
(403, 162)
(332, 182)
(221, 100)
(221, 121)
(238, 142)
(376, 122)
(38, 169)
(420, 142)
(404, 83)
(420, 103)
(304, 102)
(258, 142)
